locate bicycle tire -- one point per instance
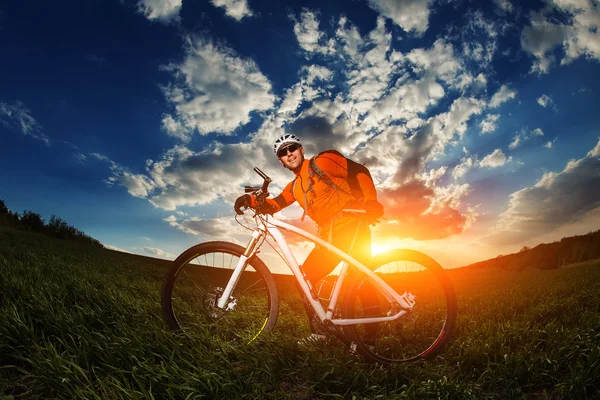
(403, 340)
(190, 289)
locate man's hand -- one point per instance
(374, 211)
(242, 201)
(267, 208)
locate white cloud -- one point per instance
(524, 135)
(550, 143)
(236, 9)
(291, 100)
(156, 252)
(545, 100)
(490, 123)
(578, 37)
(78, 157)
(516, 142)
(483, 50)
(555, 200)
(165, 11)
(501, 96)
(348, 34)
(595, 152)
(115, 248)
(439, 62)
(461, 169)
(175, 128)
(308, 34)
(215, 90)
(137, 185)
(410, 15)
(537, 132)
(17, 116)
(504, 5)
(495, 159)
(223, 228)
(384, 115)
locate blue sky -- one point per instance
(139, 122)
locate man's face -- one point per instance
(291, 156)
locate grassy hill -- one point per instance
(79, 321)
(567, 251)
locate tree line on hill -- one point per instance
(568, 250)
(33, 222)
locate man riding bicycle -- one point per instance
(324, 186)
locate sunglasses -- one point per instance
(291, 148)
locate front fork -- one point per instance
(255, 241)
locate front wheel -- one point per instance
(419, 334)
(196, 280)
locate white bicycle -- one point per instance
(226, 291)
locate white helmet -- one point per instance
(284, 139)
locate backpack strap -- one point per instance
(305, 200)
(324, 177)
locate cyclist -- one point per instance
(324, 186)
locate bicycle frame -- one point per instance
(270, 225)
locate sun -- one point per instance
(379, 247)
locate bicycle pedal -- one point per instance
(336, 331)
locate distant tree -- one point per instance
(3, 209)
(32, 221)
(524, 248)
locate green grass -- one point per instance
(82, 322)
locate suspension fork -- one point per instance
(258, 236)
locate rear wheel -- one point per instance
(419, 334)
(196, 280)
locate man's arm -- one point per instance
(284, 199)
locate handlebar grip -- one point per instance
(262, 174)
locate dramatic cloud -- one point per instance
(355, 94)
(577, 37)
(410, 15)
(555, 200)
(237, 9)
(417, 211)
(165, 11)
(215, 90)
(17, 117)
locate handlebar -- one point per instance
(266, 181)
(260, 192)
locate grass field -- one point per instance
(82, 322)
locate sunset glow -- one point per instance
(479, 128)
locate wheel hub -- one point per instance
(212, 298)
